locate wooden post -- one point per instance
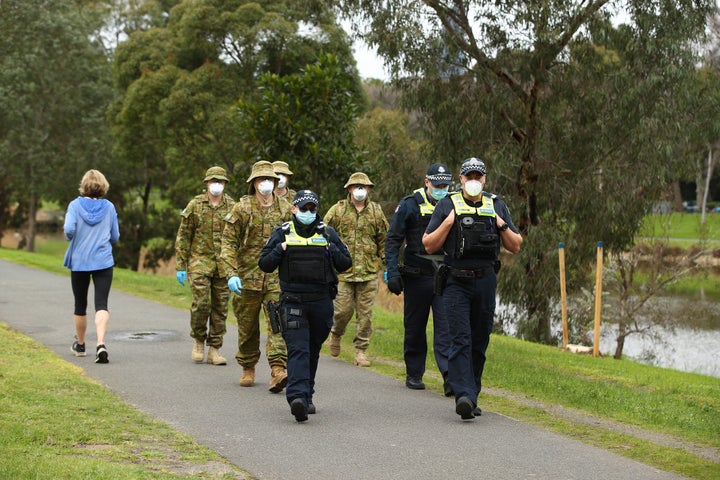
(598, 299)
(563, 294)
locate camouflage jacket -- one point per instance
(364, 234)
(289, 195)
(199, 237)
(247, 228)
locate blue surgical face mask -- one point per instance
(439, 193)
(306, 218)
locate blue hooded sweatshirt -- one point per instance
(91, 225)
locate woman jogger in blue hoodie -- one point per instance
(91, 226)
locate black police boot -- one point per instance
(299, 409)
(477, 412)
(311, 408)
(414, 383)
(464, 408)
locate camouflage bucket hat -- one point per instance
(281, 167)
(262, 169)
(215, 173)
(358, 178)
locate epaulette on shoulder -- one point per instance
(285, 227)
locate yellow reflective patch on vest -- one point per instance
(426, 208)
(487, 209)
(295, 240)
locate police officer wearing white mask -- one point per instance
(469, 227)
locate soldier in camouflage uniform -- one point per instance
(197, 250)
(362, 225)
(282, 170)
(248, 227)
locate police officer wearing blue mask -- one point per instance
(469, 226)
(415, 276)
(308, 255)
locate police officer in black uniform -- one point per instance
(469, 227)
(308, 254)
(416, 277)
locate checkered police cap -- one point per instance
(472, 165)
(303, 197)
(438, 174)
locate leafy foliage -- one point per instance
(305, 119)
(54, 88)
(576, 116)
(193, 89)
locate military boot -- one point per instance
(278, 379)
(361, 359)
(198, 351)
(248, 377)
(334, 344)
(215, 358)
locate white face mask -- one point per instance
(266, 187)
(359, 194)
(283, 180)
(473, 187)
(216, 189)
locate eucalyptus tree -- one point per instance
(573, 104)
(54, 88)
(180, 86)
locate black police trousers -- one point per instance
(304, 344)
(470, 308)
(418, 299)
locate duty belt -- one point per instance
(469, 273)
(293, 297)
(412, 271)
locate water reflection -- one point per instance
(686, 349)
(693, 345)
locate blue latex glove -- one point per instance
(181, 276)
(385, 276)
(235, 284)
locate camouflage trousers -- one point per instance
(247, 306)
(357, 298)
(209, 306)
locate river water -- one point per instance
(691, 345)
(687, 349)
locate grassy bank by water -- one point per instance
(665, 418)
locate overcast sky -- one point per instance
(368, 63)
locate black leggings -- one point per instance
(102, 279)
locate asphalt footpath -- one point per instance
(367, 426)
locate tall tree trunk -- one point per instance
(142, 225)
(620, 341)
(710, 167)
(677, 196)
(32, 222)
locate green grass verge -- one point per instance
(659, 401)
(56, 423)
